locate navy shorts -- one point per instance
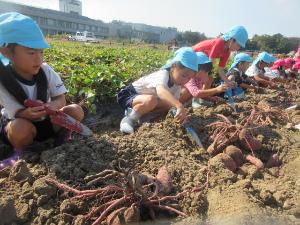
(44, 130)
(125, 97)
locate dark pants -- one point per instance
(44, 130)
(125, 97)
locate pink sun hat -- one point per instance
(296, 66)
(289, 62)
(278, 63)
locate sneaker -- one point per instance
(199, 102)
(127, 125)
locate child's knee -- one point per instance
(151, 101)
(20, 132)
(75, 111)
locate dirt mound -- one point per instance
(248, 196)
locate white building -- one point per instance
(70, 6)
(54, 22)
(69, 20)
(165, 34)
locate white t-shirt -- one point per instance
(147, 84)
(11, 105)
(253, 70)
(271, 73)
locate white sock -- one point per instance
(134, 115)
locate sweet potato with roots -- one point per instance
(216, 148)
(265, 114)
(221, 142)
(248, 142)
(164, 180)
(255, 161)
(236, 154)
(132, 192)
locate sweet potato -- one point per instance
(255, 161)
(248, 142)
(217, 147)
(164, 180)
(226, 160)
(236, 154)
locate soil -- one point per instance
(248, 196)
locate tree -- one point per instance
(190, 38)
(276, 43)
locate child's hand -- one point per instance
(222, 88)
(181, 114)
(51, 105)
(32, 113)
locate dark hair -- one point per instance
(239, 63)
(262, 61)
(11, 47)
(207, 67)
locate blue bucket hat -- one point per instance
(266, 57)
(186, 56)
(239, 33)
(202, 58)
(241, 57)
(22, 30)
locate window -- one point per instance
(103, 29)
(75, 26)
(81, 27)
(89, 34)
(43, 20)
(51, 22)
(79, 34)
(61, 23)
(36, 18)
(69, 25)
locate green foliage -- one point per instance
(92, 72)
(276, 43)
(189, 38)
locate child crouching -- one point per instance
(27, 77)
(236, 73)
(158, 91)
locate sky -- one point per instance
(211, 17)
